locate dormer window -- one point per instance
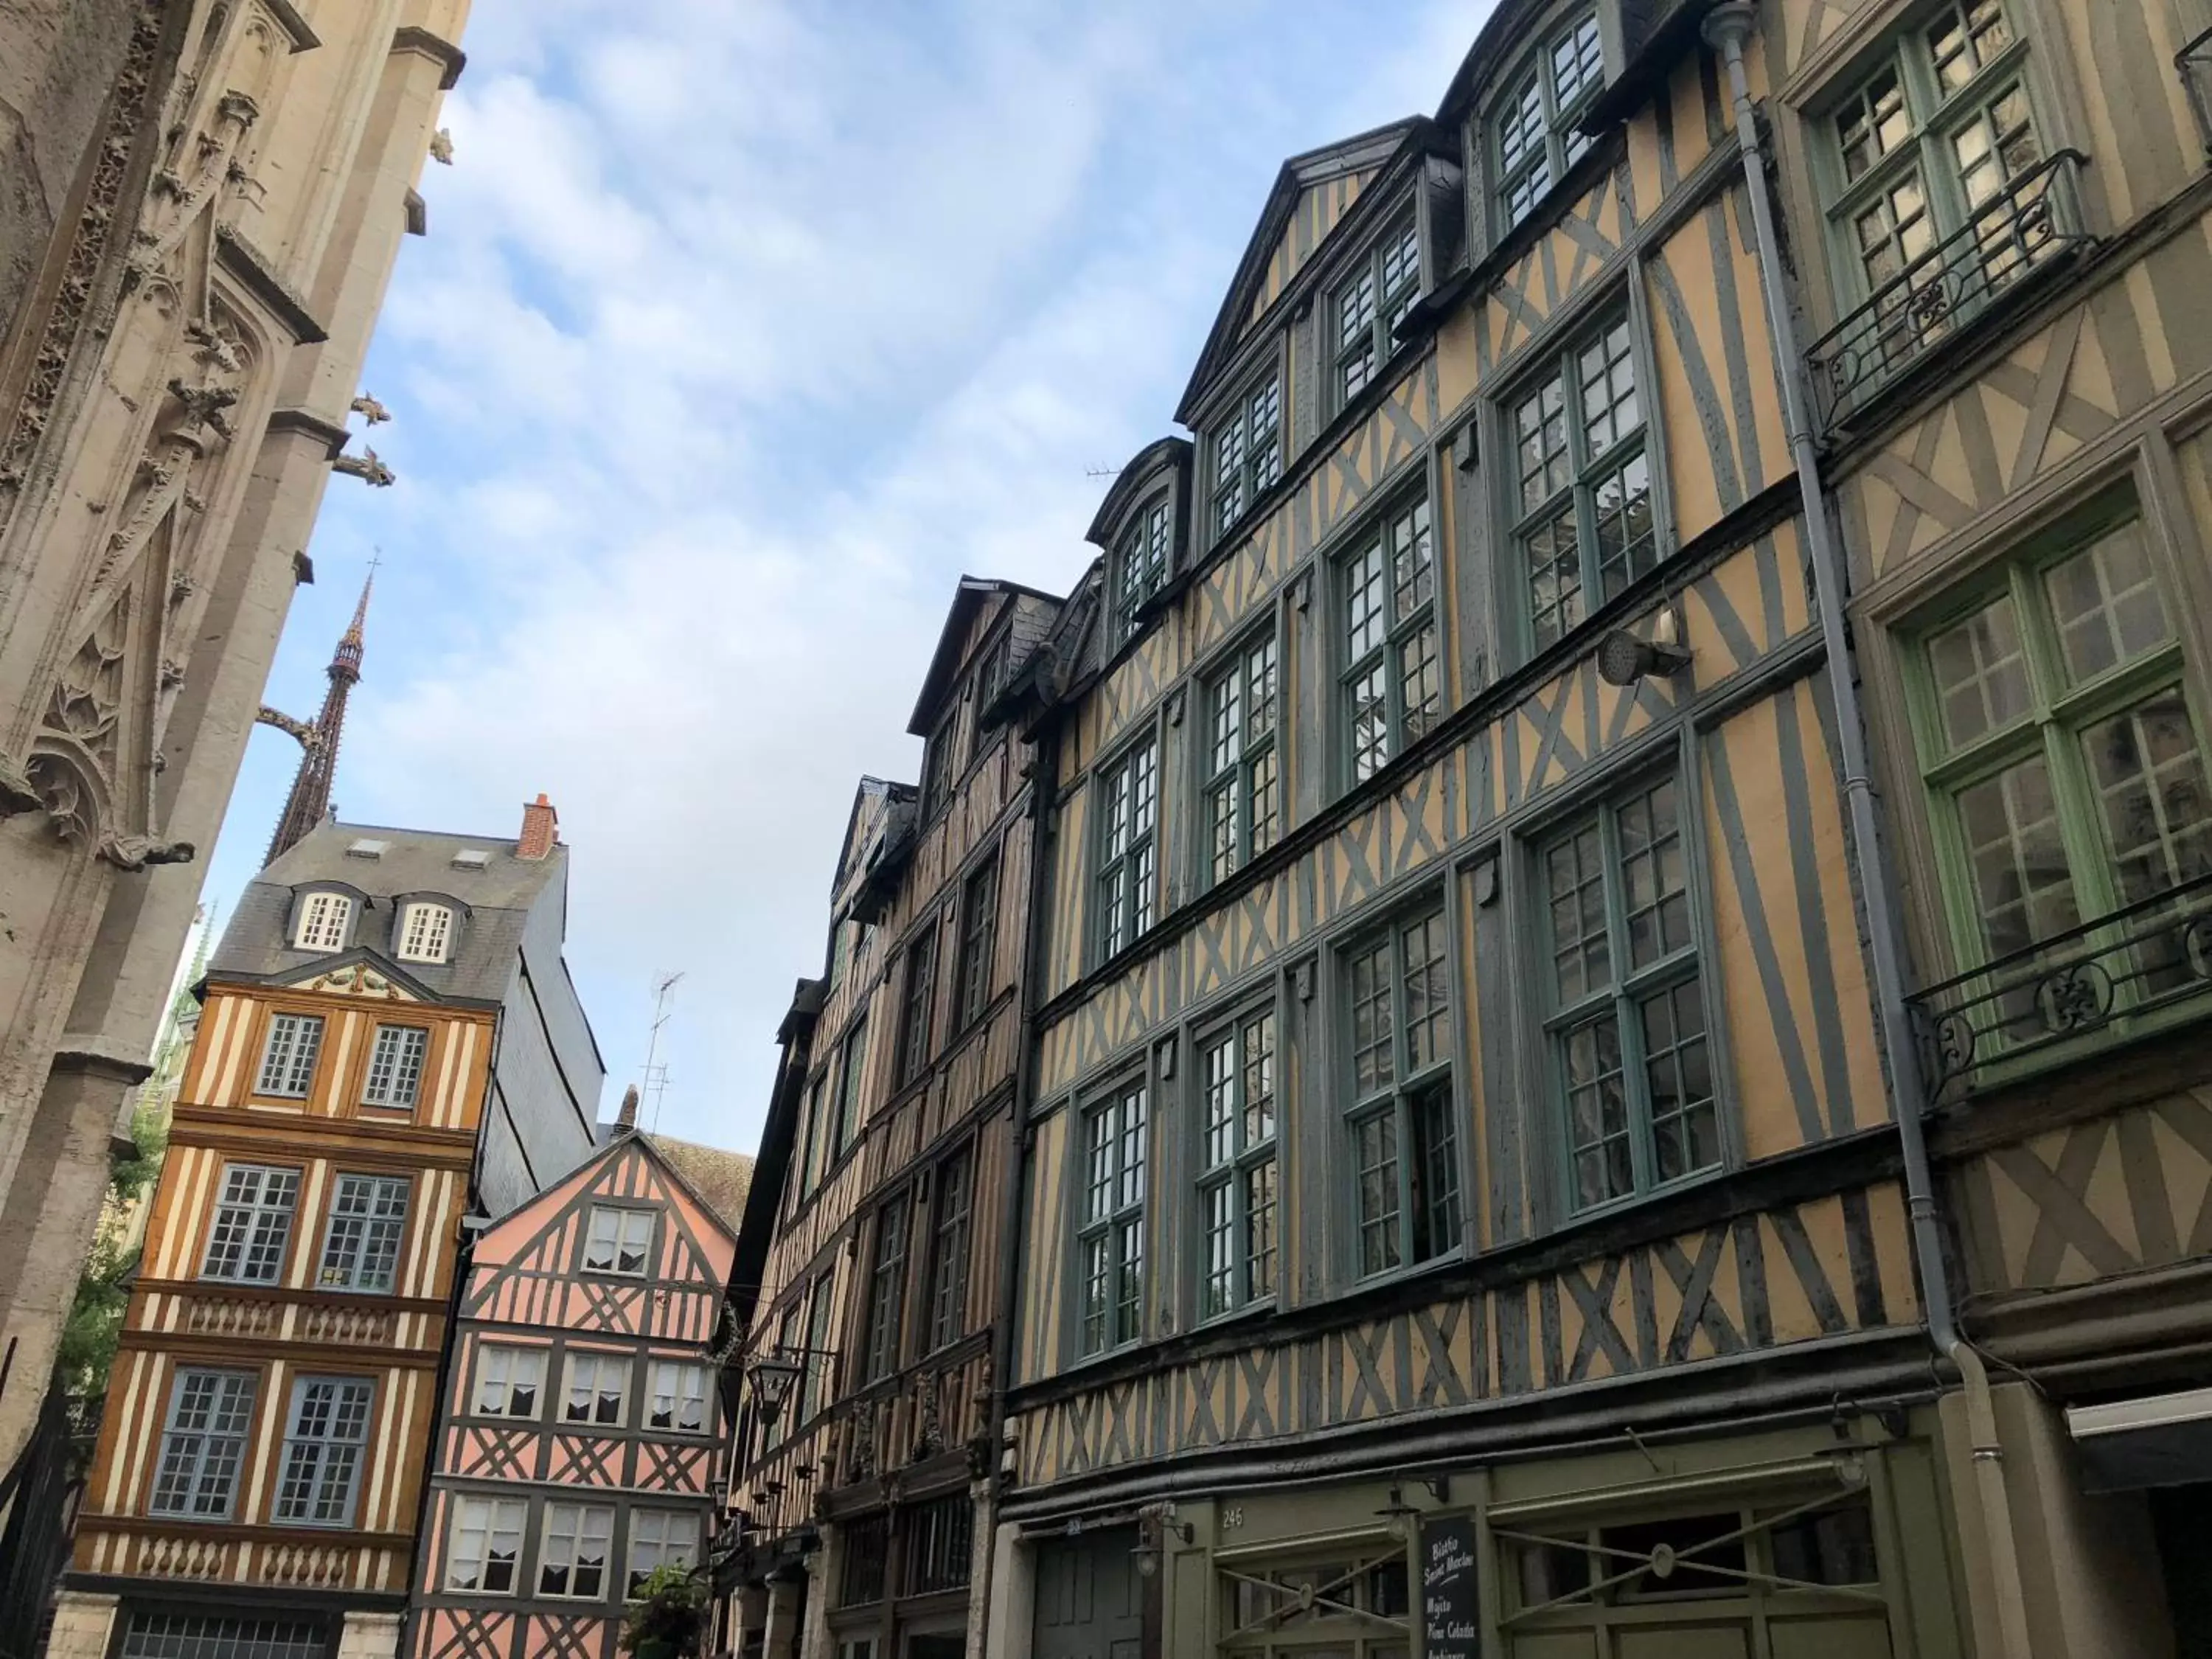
(1247, 450)
(1370, 305)
(1139, 566)
(324, 920)
(426, 933)
(1533, 135)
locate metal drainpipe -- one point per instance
(1726, 29)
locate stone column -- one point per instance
(815, 1642)
(84, 1623)
(781, 1638)
(369, 1636)
(1009, 1614)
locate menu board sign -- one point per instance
(1448, 1588)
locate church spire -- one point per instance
(310, 799)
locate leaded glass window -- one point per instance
(1243, 768)
(1110, 1241)
(1404, 1126)
(1237, 1189)
(1393, 675)
(1581, 509)
(1128, 804)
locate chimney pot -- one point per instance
(540, 829)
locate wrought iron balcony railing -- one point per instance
(2137, 971)
(2031, 225)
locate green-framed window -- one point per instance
(1237, 1183)
(1248, 449)
(979, 941)
(815, 1380)
(1111, 1240)
(948, 1250)
(940, 763)
(1403, 1124)
(1369, 304)
(1138, 568)
(1532, 133)
(886, 1290)
(1583, 525)
(1128, 807)
(2064, 764)
(1938, 128)
(853, 1064)
(1393, 674)
(918, 1007)
(1243, 790)
(1631, 1056)
(775, 1428)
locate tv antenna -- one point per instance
(654, 1082)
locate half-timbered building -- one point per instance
(389, 1042)
(888, 1146)
(580, 1438)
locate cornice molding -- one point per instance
(450, 58)
(253, 272)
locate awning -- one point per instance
(2160, 1440)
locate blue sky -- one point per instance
(743, 327)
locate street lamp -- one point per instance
(773, 1376)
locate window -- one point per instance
(253, 1224)
(324, 920)
(598, 1385)
(814, 1379)
(660, 1538)
(487, 1538)
(917, 1011)
(322, 1450)
(773, 1429)
(811, 1129)
(1393, 683)
(1582, 515)
(219, 1635)
(868, 1546)
(679, 1397)
(1111, 1244)
(2064, 766)
(1243, 813)
(1248, 451)
(1129, 817)
(1627, 1030)
(886, 1290)
(509, 1381)
(617, 1241)
(368, 1216)
(948, 1253)
(938, 761)
(426, 933)
(1938, 131)
(991, 678)
(1139, 568)
(201, 1447)
(1405, 1137)
(288, 1064)
(1237, 1185)
(1533, 135)
(841, 951)
(395, 1067)
(979, 938)
(1371, 304)
(940, 1543)
(572, 1551)
(852, 1072)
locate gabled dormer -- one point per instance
(1143, 529)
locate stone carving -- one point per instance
(301, 731)
(369, 409)
(180, 198)
(136, 852)
(441, 146)
(367, 467)
(930, 1438)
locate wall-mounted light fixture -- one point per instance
(1150, 1529)
(1623, 659)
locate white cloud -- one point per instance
(742, 330)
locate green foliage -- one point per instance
(670, 1614)
(87, 1340)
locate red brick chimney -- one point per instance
(540, 829)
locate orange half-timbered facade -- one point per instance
(581, 1435)
(370, 1066)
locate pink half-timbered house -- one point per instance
(579, 1441)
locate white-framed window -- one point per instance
(253, 1223)
(1237, 1183)
(1111, 1244)
(660, 1538)
(288, 1062)
(572, 1551)
(618, 1240)
(395, 1068)
(510, 1381)
(325, 920)
(1128, 867)
(678, 1397)
(202, 1444)
(426, 933)
(486, 1542)
(598, 1389)
(322, 1450)
(1532, 130)
(368, 1218)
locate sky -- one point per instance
(742, 329)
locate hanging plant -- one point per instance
(669, 1618)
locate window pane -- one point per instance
(1129, 1276)
(1371, 723)
(2104, 601)
(1364, 623)
(1964, 38)
(1259, 1084)
(2148, 772)
(1577, 65)
(1994, 149)
(1553, 551)
(1893, 230)
(1653, 884)
(1608, 375)
(1436, 1174)
(1372, 1036)
(1574, 876)
(1980, 673)
(1539, 433)
(2023, 889)
(1428, 1000)
(1626, 548)
(1376, 1149)
(1420, 692)
(1872, 122)
(1220, 1072)
(1413, 568)
(1685, 1121)
(1260, 1229)
(1604, 1166)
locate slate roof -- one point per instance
(721, 1179)
(498, 900)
